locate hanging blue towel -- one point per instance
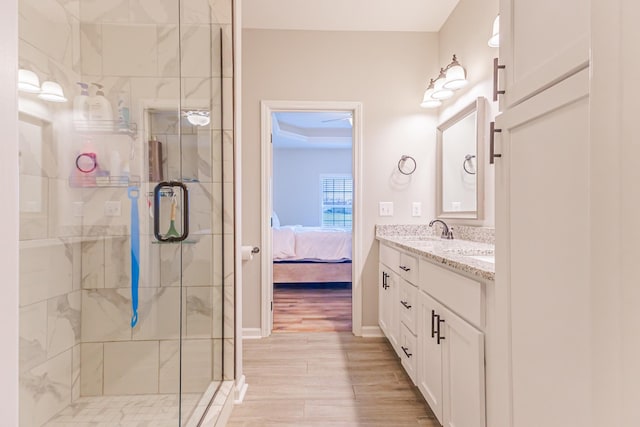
(133, 193)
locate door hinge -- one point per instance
(271, 138)
(271, 305)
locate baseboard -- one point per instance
(241, 390)
(372, 332)
(251, 333)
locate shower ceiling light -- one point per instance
(198, 118)
(52, 91)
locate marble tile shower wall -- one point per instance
(75, 286)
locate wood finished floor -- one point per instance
(312, 308)
(327, 380)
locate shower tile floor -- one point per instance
(126, 411)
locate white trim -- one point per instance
(9, 301)
(251, 333)
(372, 332)
(241, 390)
(266, 109)
(237, 183)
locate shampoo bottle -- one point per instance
(81, 108)
(100, 112)
(123, 111)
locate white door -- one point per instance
(462, 372)
(429, 355)
(542, 249)
(541, 42)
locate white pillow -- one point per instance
(275, 221)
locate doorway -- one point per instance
(310, 216)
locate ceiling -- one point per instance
(347, 15)
(312, 130)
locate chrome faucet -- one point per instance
(447, 233)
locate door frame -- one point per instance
(266, 152)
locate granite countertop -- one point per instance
(461, 255)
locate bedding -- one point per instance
(293, 243)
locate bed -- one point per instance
(311, 255)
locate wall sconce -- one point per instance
(52, 92)
(494, 41)
(428, 101)
(29, 82)
(456, 77)
(450, 79)
(198, 117)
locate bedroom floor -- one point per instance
(324, 307)
(327, 380)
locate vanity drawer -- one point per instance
(408, 352)
(408, 305)
(390, 257)
(408, 265)
(461, 294)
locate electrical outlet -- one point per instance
(385, 209)
(112, 208)
(416, 209)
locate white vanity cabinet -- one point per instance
(397, 304)
(439, 331)
(451, 374)
(541, 42)
(388, 294)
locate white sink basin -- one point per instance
(485, 258)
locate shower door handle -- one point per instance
(172, 234)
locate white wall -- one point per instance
(9, 216)
(296, 182)
(465, 34)
(386, 72)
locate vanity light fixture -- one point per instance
(52, 92)
(439, 91)
(450, 79)
(198, 117)
(28, 81)
(456, 76)
(427, 100)
(494, 41)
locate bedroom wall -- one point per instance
(386, 72)
(465, 33)
(296, 182)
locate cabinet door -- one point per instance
(542, 253)
(429, 355)
(388, 296)
(384, 299)
(541, 42)
(462, 372)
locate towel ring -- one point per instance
(402, 162)
(468, 158)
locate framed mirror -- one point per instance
(459, 163)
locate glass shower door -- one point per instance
(121, 235)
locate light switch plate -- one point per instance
(385, 209)
(416, 209)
